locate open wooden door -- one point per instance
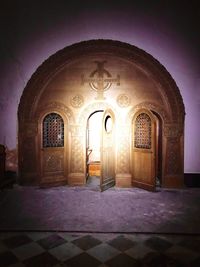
(88, 150)
(144, 150)
(107, 178)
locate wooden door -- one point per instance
(144, 150)
(52, 149)
(107, 178)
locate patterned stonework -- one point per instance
(77, 101)
(123, 156)
(123, 150)
(150, 106)
(77, 155)
(173, 156)
(123, 100)
(55, 106)
(172, 130)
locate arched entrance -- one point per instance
(123, 81)
(93, 148)
(100, 149)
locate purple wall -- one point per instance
(33, 32)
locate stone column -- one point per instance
(76, 160)
(123, 172)
(173, 163)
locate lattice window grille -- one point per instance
(53, 131)
(143, 131)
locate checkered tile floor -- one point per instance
(98, 250)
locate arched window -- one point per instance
(53, 131)
(143, 131)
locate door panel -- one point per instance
(53, 162)
(144, 150)
(107, 151)
(52, 149)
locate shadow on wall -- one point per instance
(11, 160)
(8, 166)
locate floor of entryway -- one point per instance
(93, 182)
(85, 208)
(80, 226)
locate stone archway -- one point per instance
(96, 74)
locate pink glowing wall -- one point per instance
(31, 32)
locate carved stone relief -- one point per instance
(150, 106)
(56, 106)
(123, 151)
(76, 163)
(97, 81)
(173, 130)
(123, 156)
(76, 155)
(77, 101)
(123, 100)
(173, 156)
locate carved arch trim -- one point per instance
(119, 49)
(89, 109)
(149, 106)
(60, 108)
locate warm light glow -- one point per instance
(95, 130)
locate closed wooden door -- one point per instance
(52, 149)
(144, 150)
(107, 151)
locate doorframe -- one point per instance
(83, 118)
(159, 149)
(108, 182)
(86, 143)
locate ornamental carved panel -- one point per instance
(173, 130)
(123, 155)
(54, 161)
(123, 150)
(173, 163)
(77, 101)
(76, 155)
(123, 100)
